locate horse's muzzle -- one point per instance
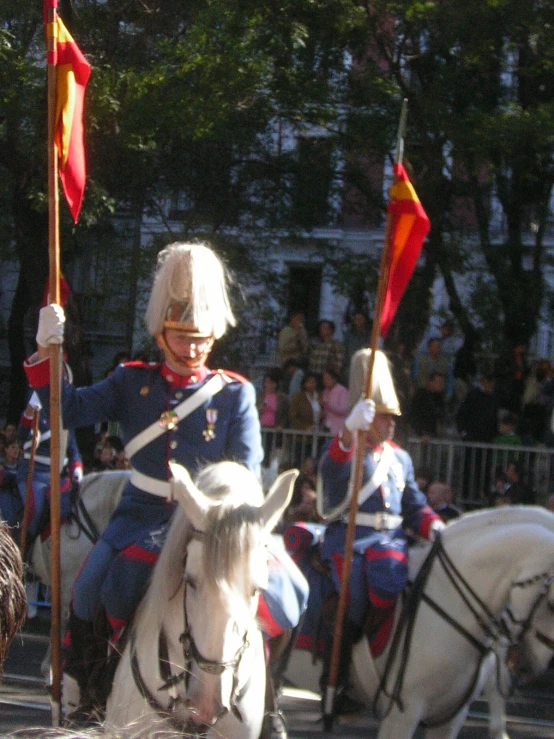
(200, 716)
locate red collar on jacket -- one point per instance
(176, 380)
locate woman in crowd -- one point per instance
(305, 407)
(334, 402)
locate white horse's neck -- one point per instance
(491, 550)
(495, 548)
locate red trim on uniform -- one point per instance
(140, 363)
(38, 373)
(133, 551)
(268, 624)
(379, 602)
(116, 623)
(338, 562)
(292, 539)
(305, 641)
(177, 380)
(337, 454)
(65, 484)
(234, 376)
(371, 555)
(75, 466)
(379, 641)
(428, 515)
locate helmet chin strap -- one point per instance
(187, 364)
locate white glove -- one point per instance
(361, 416)
(77, 474)
(50, 325)
(434, 529)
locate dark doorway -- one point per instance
(304, 293)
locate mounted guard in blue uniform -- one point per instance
(177, 410)
(389, 506)
(71, 462)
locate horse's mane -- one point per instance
(227, 534)
(476, 521)
(13, 601)
(228, 541)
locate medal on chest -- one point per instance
(169, 420)
(211, 418)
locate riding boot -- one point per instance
(79, 637)
(273, 725)
(351, 634)
(86, 661)
(279, 649)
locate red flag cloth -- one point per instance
(72, 73)
(409, 227)
(65, 292)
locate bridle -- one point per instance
(493, 629)
(191, 654)
(543, 579)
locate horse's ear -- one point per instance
(193, 500)
(278, 498)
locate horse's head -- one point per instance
(226, 567)
(534, 649)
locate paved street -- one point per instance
(24, 703)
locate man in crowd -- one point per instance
(427, 407)
(439, 497)
(328, 353)
(293, 340)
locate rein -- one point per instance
(81, 517)
(191, 654)
(491, 626)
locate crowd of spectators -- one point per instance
(445, 390)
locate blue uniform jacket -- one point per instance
(41, 469)
(399, 488)
(135, 395)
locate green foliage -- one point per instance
(192, 102)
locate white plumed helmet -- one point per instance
(189, 292)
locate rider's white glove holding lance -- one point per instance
(50, 325)
(360, 418)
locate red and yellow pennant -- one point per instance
(409, 227)
(72, 73)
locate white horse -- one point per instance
(194, 660)
(483, 595)
(99, 494)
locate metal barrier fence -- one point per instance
(467, 467)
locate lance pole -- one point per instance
(55, 367)
(328, 708)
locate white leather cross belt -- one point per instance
(379, 521)
(152, 485)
